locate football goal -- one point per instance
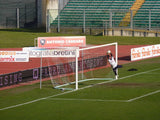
(86, 66)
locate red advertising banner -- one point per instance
(71, 41)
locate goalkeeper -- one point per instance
(113, 63)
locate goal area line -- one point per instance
(80, 81)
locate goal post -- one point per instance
(88, 66)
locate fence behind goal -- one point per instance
(92, 66)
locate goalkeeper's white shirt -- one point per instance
(112, 62)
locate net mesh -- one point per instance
(94, 62)
(92, 67)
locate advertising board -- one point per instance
(145, 52)
(71, 41)
(53, 70)
(51, 52)
(14, 56)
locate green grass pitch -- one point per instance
(25, 38)
(134, 96)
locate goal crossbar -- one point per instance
(116, 48)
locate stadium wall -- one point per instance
(32, 13)
(110, 32)
(18, 13)
(43, 5)
(130, 32)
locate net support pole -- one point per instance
(77, 68)
(82, 65)
(41, 71)
(116, 51)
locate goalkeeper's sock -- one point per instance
(116, 77)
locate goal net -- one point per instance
(88, 66)
(94, 63)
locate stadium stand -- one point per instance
(150, 10)
(98, 13)
(135, 7)
(95, 11)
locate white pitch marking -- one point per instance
(36, 100)
(148, 94)
(98, 100)
(153, 73)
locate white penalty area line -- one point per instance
(146, 95)
(153, 73)
(36, 100)
(94, 100)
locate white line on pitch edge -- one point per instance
(145, 95)
(36, 100)
(153, 73)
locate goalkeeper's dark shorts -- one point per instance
(115, 69)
